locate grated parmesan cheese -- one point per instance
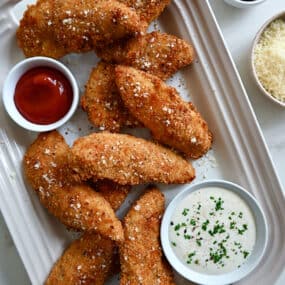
(269, 59)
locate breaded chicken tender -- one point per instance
(55, 28)
(91, 259)
(141, 257)
(102, 102)
(88, 260)
(125, 159)
(159, 107)
(148, 10)
(114, 193)
(157, 53)
(77, 206)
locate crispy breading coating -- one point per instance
(55, 28)
(159, 107)
(126, 160)
(157, 53)
(102, 102)
(91, 259)
(88, 260)
(148, 10)
(77, 206)
(141, 257)
(114, 193)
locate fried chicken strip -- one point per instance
(102, 102)
(88, 260)
(148, 10)
(141, 257)
(77, 206)
(55, 28)
(125, 159)
(157, 53)
(159, 107)
(114, 193)
(91, 259)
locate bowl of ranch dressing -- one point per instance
(214, 232)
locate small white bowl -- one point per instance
(255, 41)
(9, 89)
(243, 4)
(224, 278)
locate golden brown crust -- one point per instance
(102, 102)
(114, 193)
(88, 260)
(77, 206)
(159, 107)
(54, 27)
(92, 258)
(141, 257)
(157, 53)
(126, 160)
(148, 10)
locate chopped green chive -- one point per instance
(198, 241)
(232, 225)
(217, 229)
(244, 228)
(245, 254)
(185, 212)
(217, 255)
(205, 224)
(190, 255)
(219, 204)
(177, 227)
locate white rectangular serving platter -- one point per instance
(239, 152)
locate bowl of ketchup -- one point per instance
(40, 94)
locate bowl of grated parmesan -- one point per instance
(268, 59)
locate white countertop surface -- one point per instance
(239, 27)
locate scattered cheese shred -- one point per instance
(269, 59)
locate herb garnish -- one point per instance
(217, 255)
(219, 204)
(205, 224)
(185, 212)
(190, 255)
(198, 241)
(177, 227)
(245, 254)
(217, 229)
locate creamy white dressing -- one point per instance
(212, 231)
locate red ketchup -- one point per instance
(43, 95)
